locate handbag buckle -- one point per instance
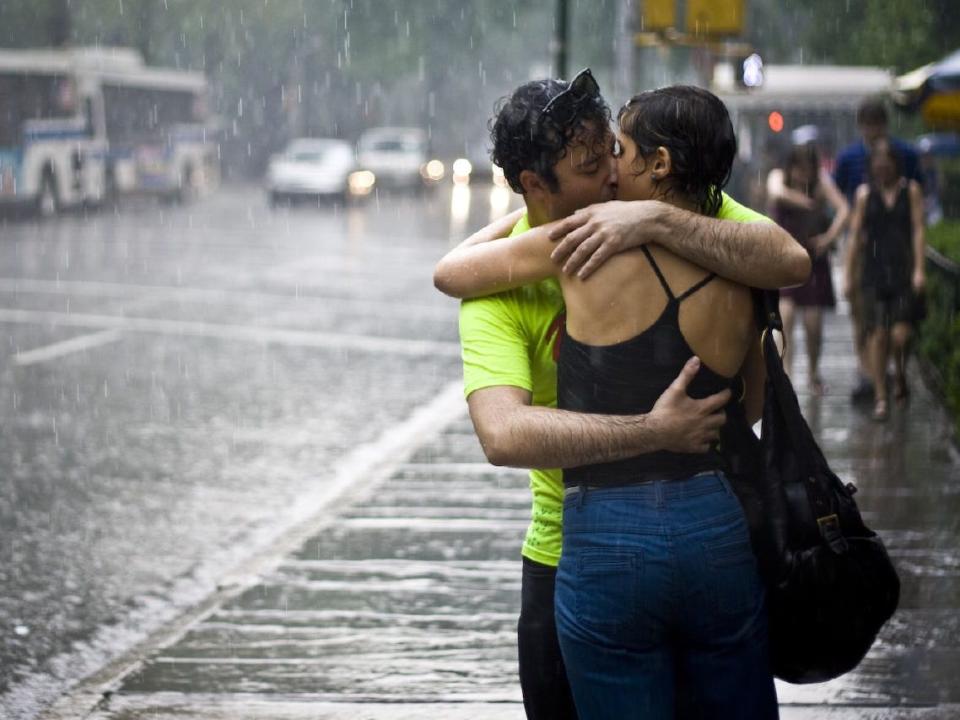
(830, 530)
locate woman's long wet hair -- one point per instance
(694, 125)
(800, 156)
(884, 147)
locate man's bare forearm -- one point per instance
(761, 255)
(530, 436)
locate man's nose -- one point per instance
(612, 177)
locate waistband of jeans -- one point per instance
(646, 480)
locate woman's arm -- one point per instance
(779, 191)
(841, 212)
(919, 279)
(478, 268)
(496, 230)
(855, 238)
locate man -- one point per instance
(851, 173)
(552, 140)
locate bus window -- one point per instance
(134, 113)
(31, 97)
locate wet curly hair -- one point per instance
(694, 125)
(522, 142)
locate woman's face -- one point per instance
(882, 168)
(633, 174)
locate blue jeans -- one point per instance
(660, 608)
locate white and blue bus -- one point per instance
(79, 126)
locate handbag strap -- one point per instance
(767, 308)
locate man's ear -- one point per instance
(532, 183)
(662, 164)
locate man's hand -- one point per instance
(594, 234)
(690, 426)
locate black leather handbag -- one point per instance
(830, 583)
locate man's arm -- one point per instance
(757, 254)
(513, 432)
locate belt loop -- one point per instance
(658, 492)
(583, 494)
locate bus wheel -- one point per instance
(111, 192)
(48, 200)
(185, 192)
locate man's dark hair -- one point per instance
(694, 125)
(522, 141)
(872, 111)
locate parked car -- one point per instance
(398, 157)
(311, 167)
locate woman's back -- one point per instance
(630, 329)
(625, 297)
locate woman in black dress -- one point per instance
(887, 237)
(802, 200)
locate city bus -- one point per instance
(788, 102)
(81, 126)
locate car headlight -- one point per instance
(433, 171)
(361, 182)
(461, 171)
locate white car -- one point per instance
(311, 168)
(397, 157)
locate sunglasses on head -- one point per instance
(563, 107)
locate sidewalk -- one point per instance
(402, 602)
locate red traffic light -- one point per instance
(775, 121)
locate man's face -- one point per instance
(586, 174)
(872, 132)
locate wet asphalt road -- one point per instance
(226, 349)
(173, 380)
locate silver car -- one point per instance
(311, 167)
(397, 156)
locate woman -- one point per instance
(657, 581)
(799, 195)
(887, 237)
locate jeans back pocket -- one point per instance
(606, 588)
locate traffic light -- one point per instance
(775, 121)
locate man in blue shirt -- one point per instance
(851, 173)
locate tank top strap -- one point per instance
(656, 269)
(692, 289)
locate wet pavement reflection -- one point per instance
(173, 380)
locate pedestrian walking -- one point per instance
(851, 172)
(887, 244)
(806, 202)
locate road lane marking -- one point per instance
(88, 288)
(356, 473)
(243, 333)
(77, 344)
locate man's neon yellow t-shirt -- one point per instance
(509, 339)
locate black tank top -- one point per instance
(888, 250)
(627, 379)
